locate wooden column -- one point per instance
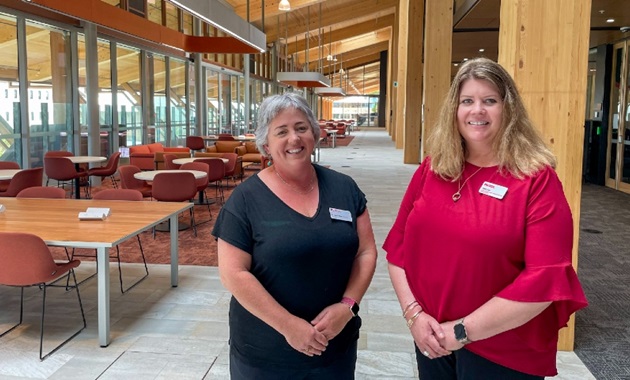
(413, 83)
(438, 47)
(551, 76)
(398, 91)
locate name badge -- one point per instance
(493, 190)
(338, 214)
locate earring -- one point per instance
(270, 161)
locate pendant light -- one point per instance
(284, 6)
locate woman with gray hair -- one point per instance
(297, 252)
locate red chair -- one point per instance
(124, 195)
(27, 261)
(176, 187)
(42, 192)
(24, 179)
(233, 168)
(195, 143)
(168, 162)
(128, 181)
(202, 183)
(216, 172)
(4, 184)
(62, 170)
(108, 170)
(59, 153)
(226, 137)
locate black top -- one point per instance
(304, 263)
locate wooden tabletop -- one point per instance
(56, 221)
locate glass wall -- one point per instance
(129, 94)
(157, 88)
(177, 72)
(10, 142)
(49, 92)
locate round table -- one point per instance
(185, 160)
(6, 174)
(78, 160)
(149, 175)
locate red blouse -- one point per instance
(458, 255)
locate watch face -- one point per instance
(460, 332)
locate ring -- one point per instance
(425, 353)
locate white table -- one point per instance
(149, 175)
(77, 160)
(333, 133)
(185, 160)
(56, 222)
(6, 174)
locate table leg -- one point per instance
(174, 251)
(102, 262)
(334, 138)
(77, 183)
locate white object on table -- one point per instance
(149, 175)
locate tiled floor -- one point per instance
(161, 332)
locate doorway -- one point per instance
(618, 160)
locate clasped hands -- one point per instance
(312, 338)
(434, 339)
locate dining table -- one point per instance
(77, 161)
(56, 221)
(149, 175)
(7, 174)
(185, 160)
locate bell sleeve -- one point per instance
(548, 274)
(393, 244)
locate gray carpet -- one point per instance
(602, 339)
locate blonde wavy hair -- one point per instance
(519, 148)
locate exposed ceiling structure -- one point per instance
(355, 32)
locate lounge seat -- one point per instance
(151, 156)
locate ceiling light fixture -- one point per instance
(284, 6)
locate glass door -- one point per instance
(618, 160)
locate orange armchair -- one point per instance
(151, 156)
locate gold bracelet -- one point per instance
(411, 320)
(409, 306)
(412, 309)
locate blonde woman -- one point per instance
(480, 252)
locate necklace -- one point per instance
(296, 189)
(457, 194)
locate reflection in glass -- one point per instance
(129, 94)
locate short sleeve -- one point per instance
(232, 224)
(393, 244)
(548, 274)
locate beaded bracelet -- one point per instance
(411, 320)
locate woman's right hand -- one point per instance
(426, 331)
(303, 337)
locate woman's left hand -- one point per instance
(332, 320)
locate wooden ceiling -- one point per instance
(357, 31)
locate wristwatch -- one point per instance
(460, 332)
(352, 304)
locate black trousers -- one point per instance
(464, 365)
(340, 369)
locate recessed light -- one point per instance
(610, 20)
(482, 50)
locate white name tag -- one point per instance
(493, 190)
(338, 214)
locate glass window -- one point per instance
(10, 142)
(48, 57)
(129, 95)
(177, 74)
